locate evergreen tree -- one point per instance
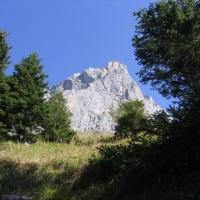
(4, 88)
(58, 127)
(28, 90)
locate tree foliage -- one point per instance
(128, 117)
(58, 124)
(28, 86)
(4, 88)
(4, 52)
(167, 46)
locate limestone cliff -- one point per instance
(90, 95)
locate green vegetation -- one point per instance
(161, 158)
(27, 89)
(48, 170)
(127, 118)
(24, 111)
(58, 125)
(4, 88)
(167, 46)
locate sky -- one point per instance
(72, 35)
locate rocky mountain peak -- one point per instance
(90, 95)
(114, 65)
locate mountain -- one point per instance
(91, 94)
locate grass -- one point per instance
(47, 170)
(78, 151)
(60, 171)
(42, 152)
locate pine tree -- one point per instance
(28, 89)
(4, 88)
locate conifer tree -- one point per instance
(4, 61)
(28, 90)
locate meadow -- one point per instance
(76, 171)
(48, 170)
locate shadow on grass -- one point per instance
(113, 177)
(99, 180)
(55, 180)
(33, 180)
(16, 178)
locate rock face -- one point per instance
(91, 94)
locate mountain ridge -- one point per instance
(90, 95)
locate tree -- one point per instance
(28, 85)
(128, 117)
(4, 88)
(58, 124)
(167, 46)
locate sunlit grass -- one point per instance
(42, 152)
(42, 170)
(82, 147)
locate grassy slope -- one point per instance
(64, 172)
(46, 170)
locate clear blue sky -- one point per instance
(72, 35)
